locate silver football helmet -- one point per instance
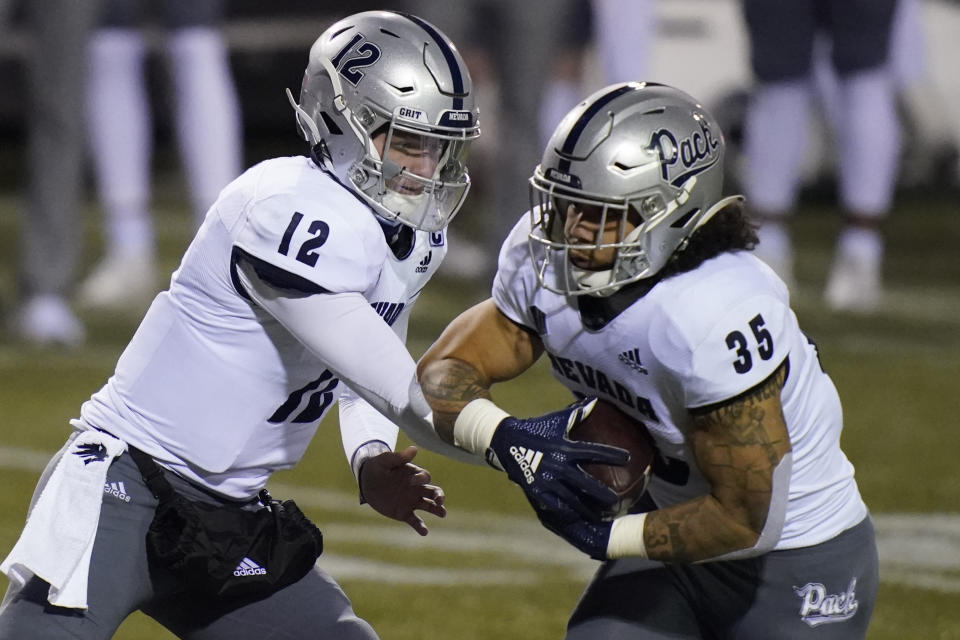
(392, 74)
(645, 158)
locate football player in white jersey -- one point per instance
(636, 278)
(294, 294)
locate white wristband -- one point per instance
(626, 537)
(474, 426)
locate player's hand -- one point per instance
(538, 456)
(591, 537)
(396, 488)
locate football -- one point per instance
(606, 424)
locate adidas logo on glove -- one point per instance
(528, 459)
(248, 567)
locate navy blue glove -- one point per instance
(591, 537)
(538, 456)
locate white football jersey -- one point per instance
(214, 387)
(694, 340)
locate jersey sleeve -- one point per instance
(308, 246)
(725, 351)
(363, 351)
(360, 422)
(361, 425)
(514, 282)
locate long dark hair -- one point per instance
(728, 230)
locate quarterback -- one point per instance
(294, 295)
(636, 278)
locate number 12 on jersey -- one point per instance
(319, 231)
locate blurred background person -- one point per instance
(783, 37)
(618, 34)
(625, 31)
(567, 70)
(928, 151)
(49, 225)
(207, 127)
(513, 46)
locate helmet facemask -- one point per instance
(419, 179)
(624, 256)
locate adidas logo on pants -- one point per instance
(248, 567)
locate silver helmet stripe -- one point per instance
(448, 55)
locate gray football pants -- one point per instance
(122, 581)
(51, 227)
(823, 592)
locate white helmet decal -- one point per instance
(691, 155)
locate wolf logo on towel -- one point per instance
(91, 453)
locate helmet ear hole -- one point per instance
(633, 216)
(330, 124)
(682, 221)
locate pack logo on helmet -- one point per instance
(691, 155)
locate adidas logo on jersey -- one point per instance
(425, 263)
(248, 567)
(117, 490)
(631, 358)
(528, 459)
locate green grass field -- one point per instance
(488, 570)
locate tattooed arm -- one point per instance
(479, 348)
(743, 449)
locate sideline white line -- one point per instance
(351, 568)
(542, 548)
(912, 543)
(331, 500)
(23, 459)
(923, 302)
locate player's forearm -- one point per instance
(743, 449)
(706, 528)
(696, 530)
(449, 385)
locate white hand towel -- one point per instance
(57, 540)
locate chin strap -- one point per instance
(587, 280)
